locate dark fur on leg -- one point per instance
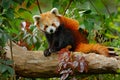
(58, 40)
(47, 53)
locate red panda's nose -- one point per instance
(51, 31)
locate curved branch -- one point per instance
(67, 6)
(39, 7)
(107, 9)
(34, 64)
(94, 7)
(12, 57)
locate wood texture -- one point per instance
(34, 64)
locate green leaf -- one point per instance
(8, 62)
(56, 3)
(1, 20)
(6, 23)
(111, 36)
(29, 40)
(19, 1)
(6, 3)
(10, 70)
(3, 68)
(5, 37)
(0, 35)
(88, 25)
(21, 10)
(1, 61)
(29, 3)
(87, 12)
(5, 74)
(34, 39)
(12, 30)
(26, 36)
(10, 13)
(32, 27)
(118, 71)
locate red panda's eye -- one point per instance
(53, 24)
(46, 26)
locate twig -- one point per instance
(107, 9)
(39, 7)
(11, 49)
(67, 6)
(97, 11)
(13, 65)
(94, 6)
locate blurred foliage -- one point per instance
(5, 68)
(16, 24)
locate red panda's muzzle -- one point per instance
(50, 29)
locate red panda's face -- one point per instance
(47, 22)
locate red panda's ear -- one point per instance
(36, 19)
(55, 11)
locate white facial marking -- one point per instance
(57, 23)
(50, 29)
(42, 27)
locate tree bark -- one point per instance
(34, 64)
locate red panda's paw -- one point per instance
(47, 53)
(108, 51)
(53, 49)
(102, 50)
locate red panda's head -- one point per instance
(47, 22)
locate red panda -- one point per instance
(61, 31)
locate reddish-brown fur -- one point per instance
(81, 41)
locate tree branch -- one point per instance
(39, 7)
(94, 7)
(11, 52)
(107, 9)
(34, 64)
(67, 6)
